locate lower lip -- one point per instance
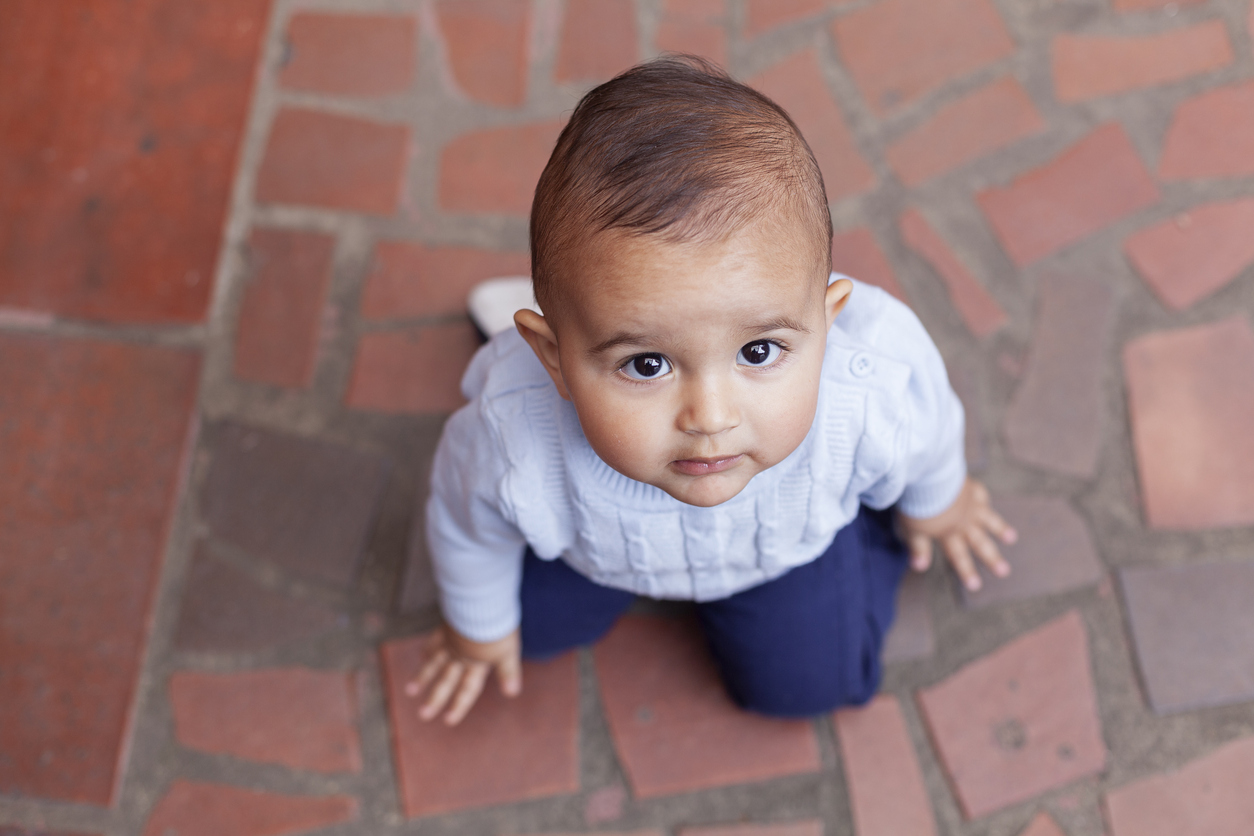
(695, 467)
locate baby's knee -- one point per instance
(807, 690)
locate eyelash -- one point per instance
(622, 368)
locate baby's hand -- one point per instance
(963, 528)
(457, 668)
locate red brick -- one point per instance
(1191, 399)
(496, 170)
(487, 47)
(599, 40)
(505, 750)
(900, 50)
(1210, 795)
(856, 253)
(418, 370)
(297, 717)
(1139, 5)
(92, 440)
(1089, 66)
(339, 162)
(978, 309)
(1195, 253)
(1211, 135)
(1020, 721)
(797, 85)
(981, 122)
(694, 26)
(882, 772)
(796, 828)
(350, 54)
(120, 129)
(409, 279)
(195, 809)
(763, 15)
(1042, 825)
(280, 317)
(674, 727)
(1094, 183)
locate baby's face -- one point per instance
(694, 367)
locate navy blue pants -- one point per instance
(802, 644)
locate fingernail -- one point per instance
(1011, 537)
(973, 584)
(411, 689)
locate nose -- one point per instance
(709, 407)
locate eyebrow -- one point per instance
(779, 323)
(621, 338)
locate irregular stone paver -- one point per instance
(912, 635)
(495, 170)
(224, 610)
(1191, 399)
(981, 122)
(116, 173)
(1094, 183)
(1194, 254)
(1089, 66)
(799, 828)
(505, 750)
(297, 717)
(694, 26)
(349, 54)
(1210, 795)
(855, 252)
(412, 371)
(92, 443)
(280, 316)
(1054, 552)
(341, 162)
(195, 809)
(796, 84)
(763, 15)
(1191, 626)
(1054, 419)
(674, 727)
(882, 771)
(1020, 721)
(487, 47)
(307, 505)
(409, 279)
(899, 51)
(1211, 135)
(977, 307)
(599, 40)
(1042, 825)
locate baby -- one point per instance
(703, 411)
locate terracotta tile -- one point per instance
(855, 252)
(496, 170)
(796, 84)
(599, 40)
(882, 772)
(1211, 135)
(899, 51)
(1191, 399)
(410, 280)
(1054, 419)
(307, 505)
(1020, 721)
(349, 54)
(1055, 552)
(1191, 624)
(1139, 5)
(1094, 183)
(121, 128)
(92, 442)
(674, 727)
(296, 717)
(1042, 825)
(912, 635)
(195, 809)
(694, 26)
(224, 611)
(991, 118)
(487, 47)
(394, 370)
(340, 162)
(1209, 795)
(796, 828)
(1194, 254)
(504, 751)
(280, 317)
(977, 307)
(763, 15)
(1089, 66)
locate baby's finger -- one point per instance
(429, 670)
(443, 689)
(467, 692)
(960, 558)
(509, 673)
(994, 522)
(986, 550)
(920, 547)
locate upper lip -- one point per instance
(709, 459)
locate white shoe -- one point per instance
(492, 303)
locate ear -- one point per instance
(834, 299)
(536, 331)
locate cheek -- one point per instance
(624, 432)
(785, 417)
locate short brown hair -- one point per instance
(674, 148)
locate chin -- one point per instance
(705, 495)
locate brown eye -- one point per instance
(759, 353)
(646, 367)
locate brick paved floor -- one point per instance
(235, 239)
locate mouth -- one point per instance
(707, 466)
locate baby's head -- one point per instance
(680, 249)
